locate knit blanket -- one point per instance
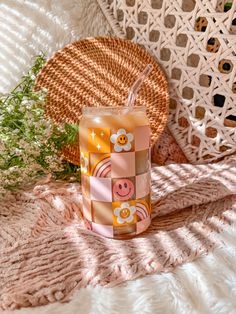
(46, 254)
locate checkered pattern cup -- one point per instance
(115, 170)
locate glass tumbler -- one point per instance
(115, 170)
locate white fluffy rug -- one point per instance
(30, 26)
(207, 285)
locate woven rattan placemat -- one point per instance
(99, 72)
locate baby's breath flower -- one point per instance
(29, 143)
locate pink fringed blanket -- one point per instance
(45, 254)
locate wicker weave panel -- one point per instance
(195, 41)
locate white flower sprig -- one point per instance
(29, 143)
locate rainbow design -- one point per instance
(102, 168)
(142, 209)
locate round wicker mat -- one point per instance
(99, 72)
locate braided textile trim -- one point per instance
(46, 254)
(195, 42)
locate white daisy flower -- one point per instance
(125, 213)
(121, 140)
(83, 163)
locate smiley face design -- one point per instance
(123, 190)
(122, 139)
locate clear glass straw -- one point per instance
(136, 86)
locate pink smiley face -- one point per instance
(123, 189)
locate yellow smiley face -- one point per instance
(125, 213)
(122, 139)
